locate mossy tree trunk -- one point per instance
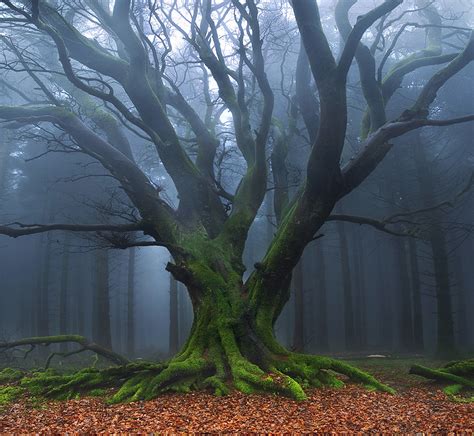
(232, 337)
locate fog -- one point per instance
(388, 270)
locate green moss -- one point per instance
(454, 391)
(10, 375)
(97, 393)
(9, 394)
(135, 388)
(460, 367)
(459, 373)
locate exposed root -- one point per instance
(213, 358)
(319, 371)
(460, 375)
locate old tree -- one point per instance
(113, 65)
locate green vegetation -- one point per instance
(460, 375)
(10, 375)
(9, 394)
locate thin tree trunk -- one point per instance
(360, 300)
(321, 310)
(43, 300)
(416, 295)
(439, 249)
(63, 292)
(80, 298)
(385, 318)
(347, 287)
(102, 332)
(131, 303)
(405, 321)
(445, 330)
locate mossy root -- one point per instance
(460, 375)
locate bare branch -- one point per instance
(15, 230)
(61, 339)
(353, 39)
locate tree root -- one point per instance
(215, 362)
(460, 375)
(144, 381)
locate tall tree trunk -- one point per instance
(347, 287)
(131, 302)
(385, 308)
(43, 326)
(360, 300)
(321, 309)
(102, 333)
(438, 244)
(299, 308)
(416, 295)
(405, 320)
(82, 281)
(173, 317)
(63, 292)
(445, 330)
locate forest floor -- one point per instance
(418, 406)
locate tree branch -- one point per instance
(377, 224)
(61, 339)
(354, 37)
(15, 230)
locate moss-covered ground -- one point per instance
(136, 381)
